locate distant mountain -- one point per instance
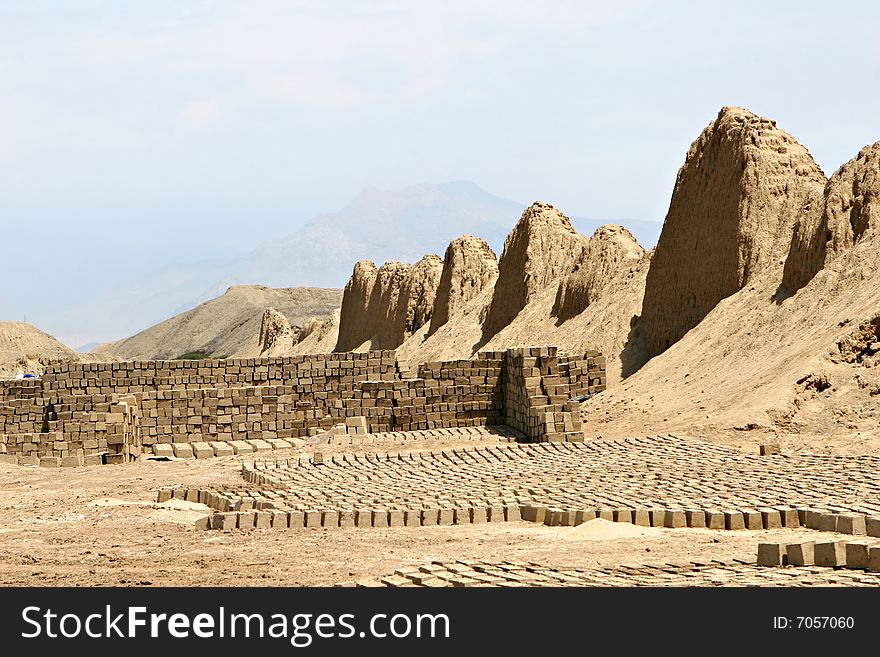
(402, 224)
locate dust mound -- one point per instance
(25, 348)
(848, 213)
(733, 211)
(276, 334)
(415, 304)
(469, 266)
(229, 325)
(610, 253)
(539, 250)
(353, 327)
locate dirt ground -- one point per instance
(100, 525)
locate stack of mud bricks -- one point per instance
(538, 395)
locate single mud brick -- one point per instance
(163, 495)
(222, 449)
(771, 518)
(179, 493)
(734, 520)
(623, 515)
(192, 495)
(313, 518)
(675, 518)
(93, 459)
(567, 518)
(71, 461)
(801, 554)
(296, 519)
(182, 450)
(430, 517)
(813, 519)
(512, 512)
(658, 517)
(772, 554)
(642, 517)
(857, 555)
(830, 554)
(872, 527)
(346, 518)
(496, 514)
(263, 519)
(606, 514)
(752, 519)
(247, 519)
(11, 459)
(395, 518)
(280, 520)
(827, 522)
(855, 524)
(552, 517)
(164, 450)
(363, 518)
(50, 462)
(446, 516)
(769, 449)
(789, 517)
(380, 517)
(462, 516)
(696, 518)
(226, 520)
(411, 517)
(478, 514)
(874, 559)
(329, 519)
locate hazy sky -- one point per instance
(137, 134)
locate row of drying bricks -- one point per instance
(247, 513)
(855, 555)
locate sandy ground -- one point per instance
(100, 526)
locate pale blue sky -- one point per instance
(132, 130)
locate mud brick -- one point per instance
(247, 519)
(623, 515)
(512, 512)
(642, 517)
(567, 518)
(813, 519)
(658, 517)
(772, 554)
(734, 520)
(531, 513)
(93, 459)
(553, 517)
(675, 518)
(192, 495)
(695, 518)
(346, 518)
(163, 495)
(296, 519)
(163, 449)
(831, 554)
(496, 514)
(826, 522)
(852, 524)
(71, 461)
(179, 494)
(182, 450)
(313, 518)
(364, 518)
(11, 459)
(769, 449)
(446, 517)
(606, 514)
(462, 516)
(479, 514)
(429, 517)
(872, 527)
(771, 518)
(789, 517)
(329, 518)
(30, 460)
(874, 559)
(202, 450)
(241, 447)
(411, 517)
(752, 519)
(395, 518)
(228, 520)
(280, 519)
(380, 517)
(801, 554)
(50, 462)
(263, 519)
(222, 449)
(857, 555)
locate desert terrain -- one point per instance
(576, 410)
